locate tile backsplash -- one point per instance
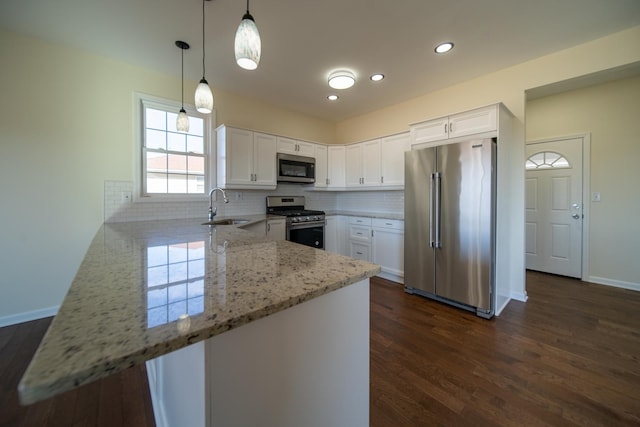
(244, 202)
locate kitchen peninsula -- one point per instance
(235, 329)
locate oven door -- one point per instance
(309, 234)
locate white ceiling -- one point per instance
(303, 40)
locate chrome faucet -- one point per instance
(214, 210)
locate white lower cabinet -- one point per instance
(388, 247)
(360, 238)
(277, 229)
(331, 234)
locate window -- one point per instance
(172, 162)
(547, 160)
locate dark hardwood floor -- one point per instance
(570, 356)
(122, 399)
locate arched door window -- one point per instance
(547, 160)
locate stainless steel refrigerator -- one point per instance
(449, 213)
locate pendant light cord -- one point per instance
(203, 73)
(247, 6)
(182, 88)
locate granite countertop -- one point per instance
(368, 214)
(147, 288)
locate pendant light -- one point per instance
(247, 44)
(182, 122)
(204, 96)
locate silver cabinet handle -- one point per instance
(268, 227)
(445, 128)
(382, 180)
(450, 127)
(575, 216)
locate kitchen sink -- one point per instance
(231, 221)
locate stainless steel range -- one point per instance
(303, 226)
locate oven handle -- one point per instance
(301, 225)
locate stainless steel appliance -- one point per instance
(293, 168)
(303, 226)
(449, 216)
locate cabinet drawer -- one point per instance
(361, 251)
(394, 224)
(360, 220)
(360, 233)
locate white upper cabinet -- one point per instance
(336, 166)
(392, 149)
(353, 160)
(246, 159)
(377, 163)
(320, 154)
(293, 146)
(371, 163)
(463, 124)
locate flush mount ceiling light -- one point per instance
(342, 79)
(444, 47)
(203, 96)
(247, 45)
(376, 77)
(333, 97)
(182, 122)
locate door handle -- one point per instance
(575, 216)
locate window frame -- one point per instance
(143, 101)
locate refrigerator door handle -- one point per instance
(432, 242)
(436, 207)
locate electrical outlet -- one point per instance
(595, 197)
(239, 195)
(125, 197)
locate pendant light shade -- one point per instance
(248, 46)
(203, 96)
(182, 122)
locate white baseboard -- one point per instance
(28, 316)
(394, 277)
(519, 296)
(614, 283)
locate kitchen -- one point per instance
(74, 200)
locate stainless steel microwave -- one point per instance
(293, 168)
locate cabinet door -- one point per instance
(353, 160)
(371, 163)
(305, 149)
(472, 122)
(388, 250)
(433, 130)
(239, 153)
(392, 149)
(336, 166)
(264, 158)
(287, 145)
(359, 250)
(276, 229)
(320, 155)
(331, 234)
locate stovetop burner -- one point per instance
(292, 207)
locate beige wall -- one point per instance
(610, 113)
(66, 126)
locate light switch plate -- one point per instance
(125, 197)
(595, 197)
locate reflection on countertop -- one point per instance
(147, 288)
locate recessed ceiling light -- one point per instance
(333, 97)
(444, 47)
(342, 79)
(376, 77)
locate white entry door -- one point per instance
(553, 199)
